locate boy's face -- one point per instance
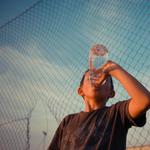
(101, 93)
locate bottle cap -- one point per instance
(99, 50)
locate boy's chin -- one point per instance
(99, 98)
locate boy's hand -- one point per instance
(107, 69)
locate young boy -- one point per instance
(100, 127)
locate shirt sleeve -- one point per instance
(127, 120)
(56, 141)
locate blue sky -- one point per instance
(10, 9)
(44, 54)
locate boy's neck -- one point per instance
(93, 105)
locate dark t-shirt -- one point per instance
(102, 129)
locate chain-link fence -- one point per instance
(44, 53)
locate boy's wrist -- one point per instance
(113, 67)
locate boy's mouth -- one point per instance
(96, 88)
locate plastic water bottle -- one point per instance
(98, 58)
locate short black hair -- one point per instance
(111, 80)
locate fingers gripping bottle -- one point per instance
(98, 58)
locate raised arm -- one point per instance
(140, 96)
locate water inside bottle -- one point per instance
(97, 64)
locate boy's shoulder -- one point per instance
(69, 117)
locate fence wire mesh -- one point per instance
(44, 53)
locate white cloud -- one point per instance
(29, 78)
(24, 82)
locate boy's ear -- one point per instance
(112, 94)
(80, 91)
